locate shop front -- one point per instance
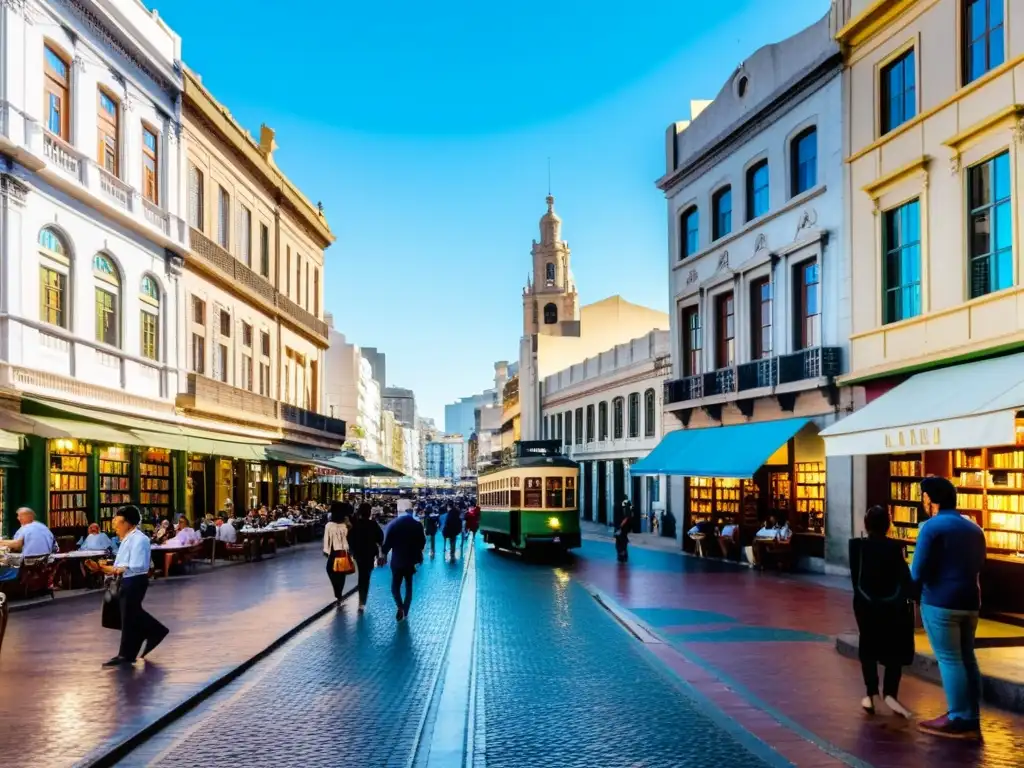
(745, 475)
(964, 422)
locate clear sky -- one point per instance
(425, 129)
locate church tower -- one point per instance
(551, 305)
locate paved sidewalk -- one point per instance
(770, 641)
(58, 707)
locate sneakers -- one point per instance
(868, 704)
(951, 728)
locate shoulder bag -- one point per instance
(895, 597)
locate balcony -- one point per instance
(64, 156)
(116, 192)
(800, 370)
(214, 396)
(291, 414)
(238, 273)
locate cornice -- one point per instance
(871, 21)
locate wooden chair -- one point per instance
(66, 544)
(35, 578)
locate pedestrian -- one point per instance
(405, 540)
(622, 538)
(882, 592)
(431, 523)
(365, 539)
(131, 569)
(336, 547)
(473, 521)
(452, 529)
(948, 559)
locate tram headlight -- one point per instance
(554, 522)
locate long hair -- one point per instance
(340, 510)
(364, 511)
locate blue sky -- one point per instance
(425, 129)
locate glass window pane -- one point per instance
(1001, 176)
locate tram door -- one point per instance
(587, 467)
(602, 492)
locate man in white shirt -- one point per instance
(185, 535)
(32, 538)
(96, 541)
(226, 532)
(404, 504)
(132, 565)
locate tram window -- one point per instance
(570, 491)
(516, 500)
(554, 494)
(505, 499)
(534, 496)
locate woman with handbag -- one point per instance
(882, 594)
(339, 561)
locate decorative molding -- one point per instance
(78, 62)
(1006, 116)
(118, 78)
(18, 6)
(954, 164)
(879, 186)
(808, 218)
(723, 262)
(1018, 131)
(692, 277)
(761, 242)
(13, 190)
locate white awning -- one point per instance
(972, 405)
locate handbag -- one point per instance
(343, 564)
(110, 616)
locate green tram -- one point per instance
(531, 500)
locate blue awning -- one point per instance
(737, 451)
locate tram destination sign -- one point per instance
(537, 448)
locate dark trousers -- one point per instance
(451, 544)
(891, 684)
(137, 625)
(364, 569)
(398, 575)
(432, 537)
(337, 579)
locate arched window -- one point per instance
(757, 190)
(549, 273)
(721, 213)
(634, 414)
(590, 423)
(602, 420)
(149, 297)
(803, 158)
(649, 404)
(54, 274)
(108, 300)
(617, 407)
(550, 314)
(689, 233)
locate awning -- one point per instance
(737, 451)
(964, 406)
(297, 454)
(9, 442)
(52, 428)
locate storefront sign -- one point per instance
(914, 437)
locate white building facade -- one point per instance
(758, 280)
(93, 241)
(353, 395)
(613, 406)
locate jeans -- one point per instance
(398, 575)
(951, 634)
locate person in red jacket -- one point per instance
(473, 521)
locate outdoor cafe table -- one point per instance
(259, 540)
(71, 566)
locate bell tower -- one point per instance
(551, 305)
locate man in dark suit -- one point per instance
(405, 540)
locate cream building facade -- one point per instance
(608, 412)
(353, 395)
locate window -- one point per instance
(265, 379)
(549, 274)
(57, 93)
(634, 414)
(107, 132)
(108, 297)
(617, 415)
(225, 323)
(550, 314)
(983, 37)
(265, 344)
(579, 426)
(307, 286)
(757, 190)
(693, 342)
(221, 367)
(265, 251)
(150, 166)
(245, 235)
(198, 353)
(650, 402)
(247, 381)
(198, 311)
(761, 318)
(990, 227)
(288, 272)
(246, 335)
(590, 423)
(568, 427)
(558, 426)
(689, 233)
(195, 198)
(721, 213)
(725, 331)
(804, 159)
(901, 278)
(53, 278)
(570, 492)
(149, 297)
(602, 420)
(223, 218)
(897, 92)
(554, 492)
(316, 292)
(298, 278)
(806, 282)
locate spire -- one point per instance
(550, 225)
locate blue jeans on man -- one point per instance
(951, 634)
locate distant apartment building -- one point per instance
(352, 394)
(402, 403)
(446, 458)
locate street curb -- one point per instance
(112, 755)
(997, 691)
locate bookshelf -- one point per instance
(69, 485)
(810, 494)
(905, 473)
(115, 481)
(155, 470)
(712, 498)
(702, 499)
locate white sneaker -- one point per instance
(868, 705)
(897, 707)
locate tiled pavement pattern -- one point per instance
(350, 690)
(58, 706)
(561, 684)
(770, 641)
